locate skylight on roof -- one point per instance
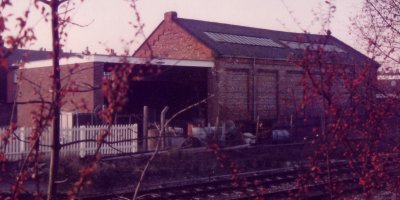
(305, 45)
(241, 39)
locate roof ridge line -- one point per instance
(248, 27)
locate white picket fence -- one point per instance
(122, 139)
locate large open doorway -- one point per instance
(172, 86)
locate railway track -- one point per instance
(266, 184)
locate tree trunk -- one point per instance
(55, 146)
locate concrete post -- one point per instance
(145, 133)
(162, 125)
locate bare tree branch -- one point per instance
(157, 149)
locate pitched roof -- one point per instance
(234, 40)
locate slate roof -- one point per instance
(199, 29)
(27, 55)
(19, 55)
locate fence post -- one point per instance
(21, 134)
(162, 126)
(145, 132)
(134, 137)
(82, 145)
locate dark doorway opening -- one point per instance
(175, 87)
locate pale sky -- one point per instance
(108, 20)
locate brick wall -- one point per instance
(12, 86)
(248, 88)
(36, 84)
(3, 84)
(234, 94)
(170, 40)
(269, 90)
(291, 91)
(266, 93)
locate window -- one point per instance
(241, 39)
(107, 75)
(305, 45)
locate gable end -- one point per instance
(170, 40)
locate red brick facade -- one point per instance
(12, 78)
(170, 40)
(35, 85)
(255, 89)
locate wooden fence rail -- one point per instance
(80, 141)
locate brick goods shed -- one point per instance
(256, 72)
(251, 73)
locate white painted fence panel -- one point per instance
(81, 141)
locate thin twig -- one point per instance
(159, 142)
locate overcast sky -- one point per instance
(108, 20)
